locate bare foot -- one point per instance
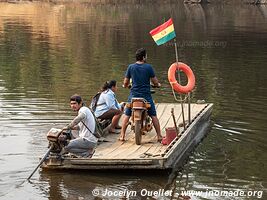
(118, 127)
(112, 131)
(159, 138)
(122, 139)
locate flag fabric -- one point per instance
(163, 33)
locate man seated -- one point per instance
(84, 123)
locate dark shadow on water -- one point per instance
(56, 184)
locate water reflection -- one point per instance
(263, 10)
(86, 185)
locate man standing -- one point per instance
(84, 122)
(141, 74)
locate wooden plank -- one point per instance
(195, 108)
(160, 109)
(110, 162)
(140, 151)
(126, 148)
(129, 148)
(155, 151)
(109, 148)
(191, 136)
(166, 118)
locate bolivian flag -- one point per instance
(163, 33)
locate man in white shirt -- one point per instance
(84, 122)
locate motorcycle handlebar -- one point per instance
(153, 86)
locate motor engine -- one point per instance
(58, 139)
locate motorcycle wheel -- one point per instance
(137, 131)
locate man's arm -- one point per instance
(126, 82)
(155, 81)
(75, 121)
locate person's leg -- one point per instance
(80, 145)
(114, 115)
(125, 120)
(153, 114)
(115, 122)
(156, 124)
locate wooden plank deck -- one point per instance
(128, 149)
(115, 154)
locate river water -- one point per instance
(50, 51)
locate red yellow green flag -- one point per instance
(163, 33)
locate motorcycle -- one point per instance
(140, 120)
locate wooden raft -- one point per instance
(114, 154)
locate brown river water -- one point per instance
(50, 51)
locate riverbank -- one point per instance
(145, 1)
(227, 1)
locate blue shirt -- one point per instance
(140, 75)
(106, 101)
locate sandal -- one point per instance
(122, 139)
(113, 132)
(159, 140)
(118, 127)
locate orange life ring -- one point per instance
(188, 72)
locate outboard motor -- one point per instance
(58, 139)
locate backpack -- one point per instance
(94, 101)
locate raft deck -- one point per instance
(114, 154)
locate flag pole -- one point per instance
(179, 79)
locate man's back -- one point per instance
(140, 75)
